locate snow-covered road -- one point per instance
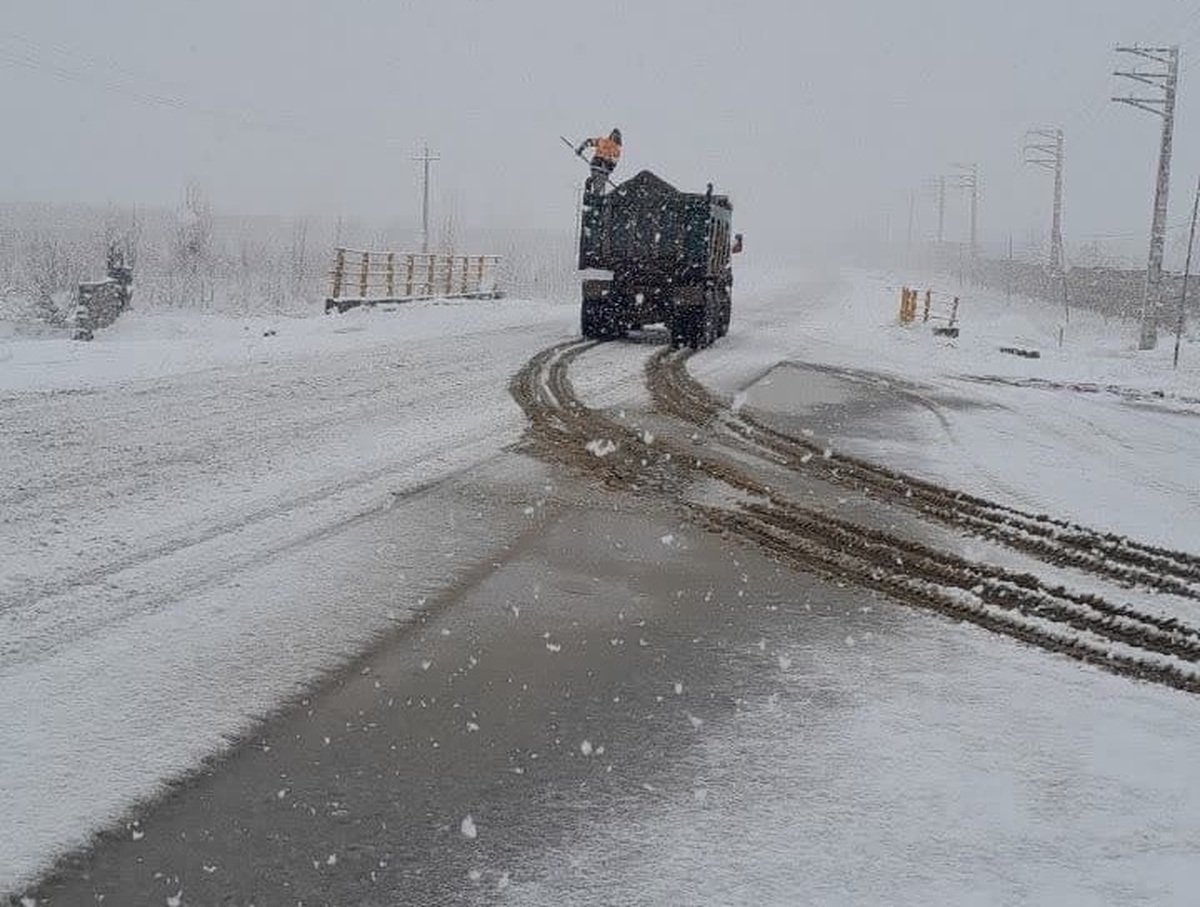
(151, 477)
(186, 505)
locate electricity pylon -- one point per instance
(1044, 148)
(1163, 77)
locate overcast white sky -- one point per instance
(816, 117)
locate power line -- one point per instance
(1170, 228)
(127, 83)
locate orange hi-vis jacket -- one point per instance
(606, 148)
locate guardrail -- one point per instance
(363, 277)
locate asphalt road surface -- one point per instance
(630, 704)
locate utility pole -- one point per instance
(425, 159)
(941, 199)
(912, 211)
(1008, 272)
(1187, 272)
(1163, 77)
(1044, 148)
(968, 178)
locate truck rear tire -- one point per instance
(690, 327)
(680, 328)
(724, 310)
(598, 315)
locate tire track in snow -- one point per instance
(1061, 543)
(1087, 628)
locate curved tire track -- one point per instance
(1058, 542)
(1088, 628)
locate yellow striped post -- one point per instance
(339, 266)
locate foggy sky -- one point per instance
(818, 118)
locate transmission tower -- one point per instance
(425, 158)
(1163, 77)
(1044, 148)
(967, 178)
(934, 187)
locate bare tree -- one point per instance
(193, 251)
(53, 266)
(299, 256)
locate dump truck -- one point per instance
(669, 256)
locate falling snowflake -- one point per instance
(695, 720)
(784, 662)
(331, 860)
(678, 689)
(586, 747)
(467, 827)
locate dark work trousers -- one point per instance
(598, 181)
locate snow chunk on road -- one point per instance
(600, 447)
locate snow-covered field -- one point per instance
(168, 490)
(1092, 430)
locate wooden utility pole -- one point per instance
(425, 159)
(941, 201)
(1008, 272)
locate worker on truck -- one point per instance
(606, 153)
